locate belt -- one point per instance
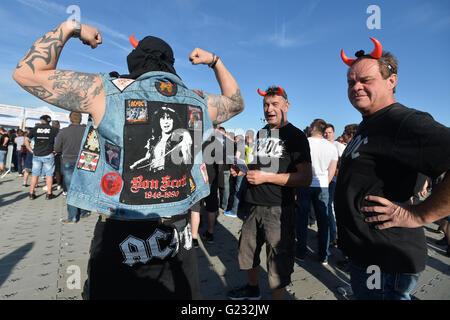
(160, 220)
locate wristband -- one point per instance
(77, 31)
(213, 64)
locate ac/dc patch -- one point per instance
(112, 155)
(195, 118)
(111, 183)
(88, 161)
(92, 143)
(122, 83)
(136, 111)
(166, 89)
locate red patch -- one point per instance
(166, 89)
(111, 183)
(200, 93)
(204, 172)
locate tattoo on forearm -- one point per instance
(227, 107)
(38, 91)
(71, 90)
(47, 53)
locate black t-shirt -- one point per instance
(383, 159)
(2, 140)
(277, 151)
(44, 136)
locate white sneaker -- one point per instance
(44, 188)
(64, 193)
(58, 187)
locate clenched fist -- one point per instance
(199, 56)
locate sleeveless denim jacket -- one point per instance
(144, 159)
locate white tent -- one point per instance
(27, 117)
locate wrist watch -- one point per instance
(77, 31)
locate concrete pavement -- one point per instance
(42, 259)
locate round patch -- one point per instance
(111, 183)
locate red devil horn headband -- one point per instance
(376, 53)
(133, 41)
(263, 93)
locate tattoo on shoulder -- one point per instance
(226, 107)
(71, 90)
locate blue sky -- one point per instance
(294, 44)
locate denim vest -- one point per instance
(144, 159)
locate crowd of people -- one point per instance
(149, 199)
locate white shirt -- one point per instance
(340, 148)
(322, 153)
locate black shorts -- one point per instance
(275, 227)
(142, 260)
(212, 201)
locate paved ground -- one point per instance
(38, 255)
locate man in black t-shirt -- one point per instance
(281, 162)
(43, 157)
(379, 229)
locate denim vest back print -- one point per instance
(111, 187)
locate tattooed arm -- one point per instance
(70, 90)
(230, 103)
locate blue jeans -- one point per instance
(332, 219)
(392, 286)
(74, 212)
(241, 187)
(3, 156)
(319, 199)
(226, 190)
(20, 156)
(46, 162)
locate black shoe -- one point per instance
(195, 243)
(50, 196)
(32, 196)
(245, 293)
(85, 215)
(208, 237)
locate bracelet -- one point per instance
(213, 59)
(77, 31)
(213, 64)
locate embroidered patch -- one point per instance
(200, 93)
(111, 183)
(122, 83)
(92, 143)
(112, 155)
(204, 172)
(166, 89)
(136, 111)
(192, 184)
(194, 118)
(88, 161)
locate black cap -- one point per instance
(46, 118)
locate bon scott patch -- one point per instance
(122, 83)
(88, 161)
(166, 89)
(204, 172)
(111, 183)
(136, 111)
(112, 155)
(92, 143)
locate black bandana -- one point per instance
(151, 54)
